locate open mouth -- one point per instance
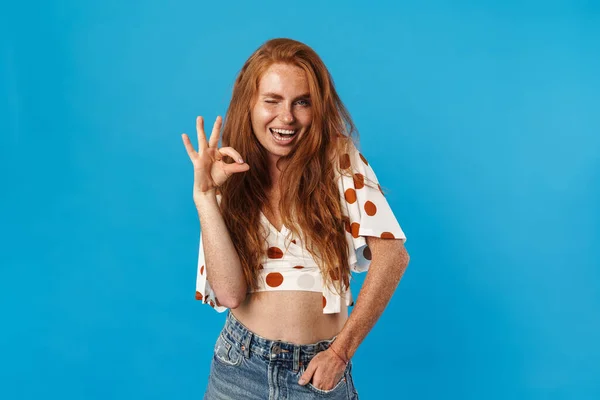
(283, 136)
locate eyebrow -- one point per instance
(279, 97)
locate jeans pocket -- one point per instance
(350, 380)
(338, 386)
(227, 353)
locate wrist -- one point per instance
(202, 199)
(340, 355)
(343, 346)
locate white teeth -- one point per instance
(283, 131)
(282, 139)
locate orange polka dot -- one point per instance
(274, 279)
(367, 253)
(299, 267)
(370, 208)
(359, 181)
(363, 158)
(354, 229)
(324, 301)
(199, 295)
(350, 195)
(347, 226)
(345, 161)
(388, 235)
(202, 270)
(274, 252)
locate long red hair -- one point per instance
(310, 199)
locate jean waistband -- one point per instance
(295, 355)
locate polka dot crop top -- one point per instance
(287, 265)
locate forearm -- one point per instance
(223, 267)
(380, 283)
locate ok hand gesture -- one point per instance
(210, 171)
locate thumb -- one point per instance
(233, 168)
(307, 375)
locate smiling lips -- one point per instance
(283, 136)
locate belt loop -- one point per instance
(296, 357)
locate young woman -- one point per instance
(288, 208)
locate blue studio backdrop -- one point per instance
(480, 118)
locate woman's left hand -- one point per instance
(325, 369)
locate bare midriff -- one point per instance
(291, 316)
(294, 316)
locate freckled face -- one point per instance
(282, 113)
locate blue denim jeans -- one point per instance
(248, 366)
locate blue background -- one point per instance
(482, 120)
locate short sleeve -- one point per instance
(204, 293)
(365, 206)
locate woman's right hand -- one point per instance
(210, 171)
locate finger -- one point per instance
(325, 378)
(201, 136)
(231, 152)
(230, 169)
(188, 146)
(216, 132)
(307, 375)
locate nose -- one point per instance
(286, 116)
